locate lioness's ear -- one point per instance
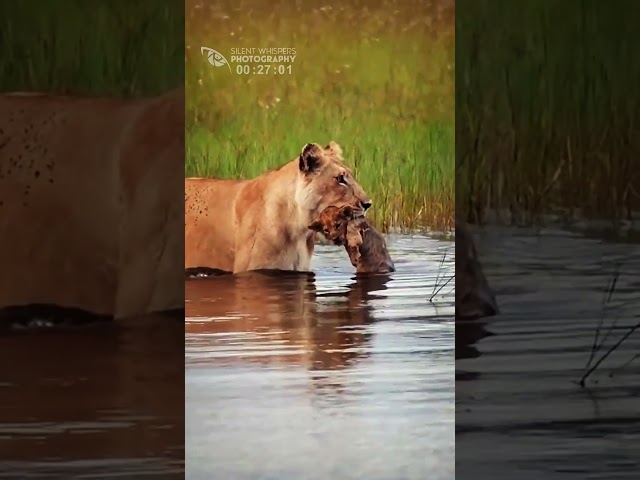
(335, 148)
(347, 211)
(310, 157)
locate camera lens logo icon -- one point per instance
(214, 57)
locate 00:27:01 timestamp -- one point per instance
(261, 69)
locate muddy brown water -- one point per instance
(323, 376)
(93, 402)
(520, 413)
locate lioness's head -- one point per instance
(332, 223)
(325, 181)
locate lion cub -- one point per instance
(365, 245)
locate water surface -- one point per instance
(93, 402)
(323, 376)
(520, 412)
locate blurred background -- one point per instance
(377, 77)
(547, 110)
(91, 48)
(93, 400)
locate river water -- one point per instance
(324, 376)
(93, 402)
(520, 412)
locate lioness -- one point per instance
(474, 298)
(365, 245)
(262, 223)
(90, 213)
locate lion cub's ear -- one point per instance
(311, 157)
(347, 212)
(316, 226)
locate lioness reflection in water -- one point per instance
(285, 307)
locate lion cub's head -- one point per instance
(332, 223)
(326, 181)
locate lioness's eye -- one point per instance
(341, 179)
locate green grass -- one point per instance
(100, 47)
(378, 80)
(547, 106)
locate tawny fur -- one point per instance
(366, 247)
(262, 223)
(87, 188)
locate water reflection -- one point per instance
(317, 331)
(94, 400)
(303, 376)
(468, 333)
(520, 412)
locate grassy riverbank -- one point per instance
(377, 80)
(114, 47)
(547, 107)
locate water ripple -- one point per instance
(296, 377)
(520, 412)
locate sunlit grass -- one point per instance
(378, 80)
